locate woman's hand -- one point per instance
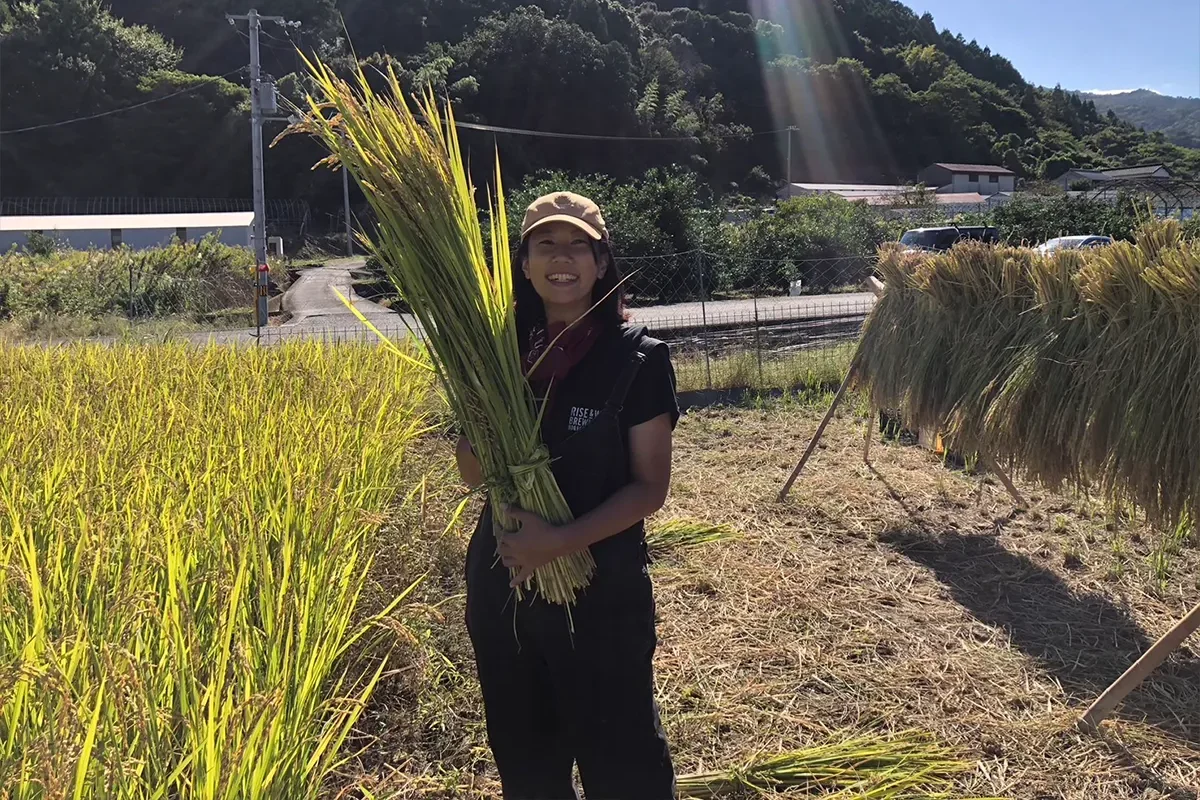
(468, 464)
(536, 544)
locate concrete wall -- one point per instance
(138, 239)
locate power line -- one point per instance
(282, 43)
(281, 46)
(124, 108)
(595, 136)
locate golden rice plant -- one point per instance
(674, 534)
(185, 535)
(1080, 367)
(903, 766)
(429, 239)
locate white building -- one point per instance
(849, 191)
(968, 179)
(900, 198)
(139, 231)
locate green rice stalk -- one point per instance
(185, 609)
(907, 765)
(430, 242)
(674, 534)
(1078, 368)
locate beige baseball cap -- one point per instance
(565, 207)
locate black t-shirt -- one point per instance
(582, 395)
(589, 452)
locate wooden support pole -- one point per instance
(869, 435)
(991, 466)
(1137, 673)
(837, 400)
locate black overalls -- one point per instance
(552, 697)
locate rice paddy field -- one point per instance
(238, 573)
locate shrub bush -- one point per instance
(1033, 220)
(823, 241)
(181, 278)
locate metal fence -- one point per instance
(731, 323)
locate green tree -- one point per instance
(548, 75)
(210, 44)
(823, 241)
(1032, 220)
(1056, 166)
(64, 59)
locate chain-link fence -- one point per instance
(144, 296)
(731, 324)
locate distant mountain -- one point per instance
(1177, 117)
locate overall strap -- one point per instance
(616, 399)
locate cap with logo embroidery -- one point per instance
(574, 209)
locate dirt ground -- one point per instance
(898, 595)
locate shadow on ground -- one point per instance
(1084, 640)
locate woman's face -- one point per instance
(561, 264)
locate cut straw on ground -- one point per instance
(907, 765)
(667, 536)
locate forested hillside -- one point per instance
(1177, 117)
(874, 91)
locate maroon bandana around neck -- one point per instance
(565, 353)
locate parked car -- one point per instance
(1074, 243)
(944, 237)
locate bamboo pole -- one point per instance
(837, 401)
(1141, 668)
(991, 466)
(867, 436)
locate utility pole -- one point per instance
(262, 273)
(346, 208)
(789, 158)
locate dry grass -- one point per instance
(886, 598)
(747, 369)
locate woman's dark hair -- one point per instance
(530, 310)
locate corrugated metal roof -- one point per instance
(951, 199)
(858, 188)
(962, 198)
(1144, 171)
(92, 222)
(986, 169)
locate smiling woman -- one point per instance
(606, 391)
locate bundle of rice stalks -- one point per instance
(674, 534)
(430, 243)
(907, 765)
(1081, 367)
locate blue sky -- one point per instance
(1085, 44)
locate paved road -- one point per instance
(312, 302)
(316, 312)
